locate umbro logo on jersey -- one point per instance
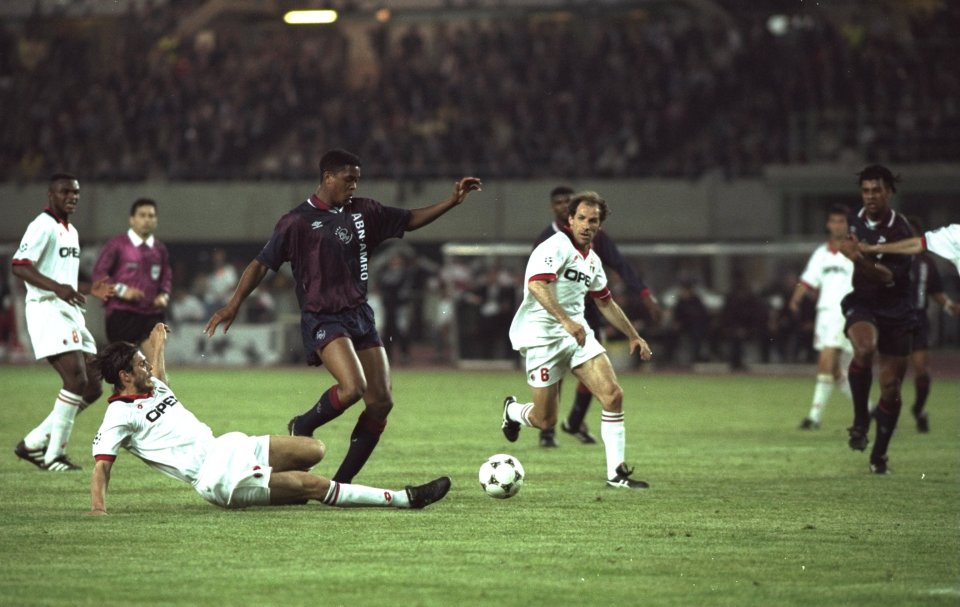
(316, 225)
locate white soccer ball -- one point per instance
(501, 476)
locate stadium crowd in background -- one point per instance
(670, 93)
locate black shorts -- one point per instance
(894, 333)
(122, 325)
(921, 334)
(317, 330)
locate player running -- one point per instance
(550, 331)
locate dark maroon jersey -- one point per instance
(885, 300)
(925, 279)
(329, 249)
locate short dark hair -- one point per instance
(561, 190)
(142, 202)
(60, 177)
(839, 209)
(113, 359)
(878, 171)
(591, 198)
(336, 159)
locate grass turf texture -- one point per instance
(744, 510)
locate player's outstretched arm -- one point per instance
(426, 215)
(99, 481)
(154, 350)
(907, 246)
(249, 281)
(615, 315)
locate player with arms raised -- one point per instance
(328, 240)
(550, 331)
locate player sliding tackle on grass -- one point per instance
(549, 330)
(233, 470)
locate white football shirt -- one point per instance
(574, 275)
(158, 429)
(945, 242)
(831, 273)
(53, 247)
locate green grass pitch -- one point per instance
(744, 509)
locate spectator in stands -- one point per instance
(743, 318)
(692, 320)
(221, 281)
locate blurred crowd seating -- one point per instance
(641, 93)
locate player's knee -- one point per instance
(612, 399)
(75, 381)
(92, 391)
(352, 391)
(864, 349)
(379, 408)
(313, 453)
(547, 422)
(890, 387)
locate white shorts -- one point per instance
(829, 331)
(547, 364)
(236, 471)
(56, 327)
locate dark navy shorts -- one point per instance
(317, 330)
(123, 325)
(894, 333)
(921, 334)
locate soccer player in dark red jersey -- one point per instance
(328, 240)
(927, 285)
(879, 315)
(612, 259)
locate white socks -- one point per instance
(520, 412)
(821, 394)
(345, 495)
(614, 440)
(61, 424)
(39, 437)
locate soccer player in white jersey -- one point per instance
(830, 275)
(550, 331)
(48, 261)
(233, 470)
(944, 241)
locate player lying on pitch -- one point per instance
(233, 470)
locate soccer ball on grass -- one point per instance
(501, 476)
